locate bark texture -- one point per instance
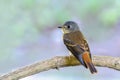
(58, 62)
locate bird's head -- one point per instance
(69, 27)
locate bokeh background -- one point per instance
(29, 33)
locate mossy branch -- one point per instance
(59, 61)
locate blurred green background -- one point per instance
(28, 33)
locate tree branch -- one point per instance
(59, 61)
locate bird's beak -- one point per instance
(59, 26)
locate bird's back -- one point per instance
(77, 37)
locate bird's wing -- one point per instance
(76, 50)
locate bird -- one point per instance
(77, 44)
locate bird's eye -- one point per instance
(68, 26)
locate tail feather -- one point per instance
(86, 58)
(92, 68)
(82, 61)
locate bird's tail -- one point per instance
(87, 60)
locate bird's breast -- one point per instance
(76, 37)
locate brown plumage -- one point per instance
(78, 46)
